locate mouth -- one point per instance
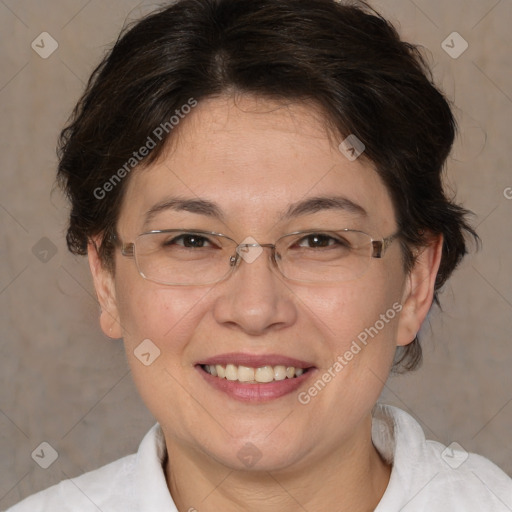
(252, 375)
(252, 378)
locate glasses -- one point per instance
(196, 257)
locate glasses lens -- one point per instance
(178, 257)
(331, 256)
(183, 257)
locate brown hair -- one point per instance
(344, 57)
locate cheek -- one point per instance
(160, 322)
(358, 320)
(161, 314)
(358, 331)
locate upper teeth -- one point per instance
(248, 374)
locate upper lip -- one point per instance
(254, 360)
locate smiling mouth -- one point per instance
(251, 375)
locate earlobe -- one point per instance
(419, 290)
(105, 291)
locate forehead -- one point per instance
(253, 158)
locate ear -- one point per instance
(105, 290)
(419, 290)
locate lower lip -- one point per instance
(261, 392)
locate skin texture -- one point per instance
(254, 157)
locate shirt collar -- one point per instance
(393, 431)
(153, 492)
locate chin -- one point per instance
(256, 454)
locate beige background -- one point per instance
(63, 382)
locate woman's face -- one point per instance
(254, 161)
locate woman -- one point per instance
(257, 185)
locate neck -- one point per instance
(351, 478)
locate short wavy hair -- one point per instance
(344, 57)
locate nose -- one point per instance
(255, 299)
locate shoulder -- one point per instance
(427, 475)
(100, 489)
(129, 484)
(466, 479)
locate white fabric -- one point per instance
(421, 479)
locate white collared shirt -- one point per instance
(426, 477)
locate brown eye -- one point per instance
(319, 240)
(189, 240)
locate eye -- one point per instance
(321, 240)
(189, 240)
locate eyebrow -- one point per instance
(197, 206)
(316, 204)
(210, 209)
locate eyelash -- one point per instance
(184, 236)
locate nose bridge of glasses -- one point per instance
(250, 250)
